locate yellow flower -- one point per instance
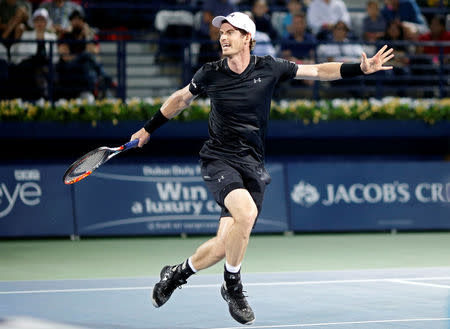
(390, 110)
(375, 108)
(134, 101)
(420, 109)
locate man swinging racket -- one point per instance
(240, 87)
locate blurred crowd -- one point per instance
(310, 31)
(303, 31)
(24, 66)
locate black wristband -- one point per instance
(351, 70)
(155, 122)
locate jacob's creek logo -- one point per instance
(307, 195)
(25, 190)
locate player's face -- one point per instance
(231, 39)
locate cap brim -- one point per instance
(217, 21)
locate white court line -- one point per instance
(422, 284)
(255, 284)
(324, 324)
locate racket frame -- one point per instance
(113, 150)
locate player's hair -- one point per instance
(252, 42)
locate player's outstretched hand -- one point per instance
(375, 64)
(142, 135)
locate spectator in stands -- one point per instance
(29, 77)
(80, 35)
(294, 7)
(210, 49)
(262, 19)
(427, 60)
(23, 50)
(299, 46)
(59, 12)
(212, 8)
(432, 3)
(395, 33)
(13, 18)
(443, 4)
(79, 72)
(374, 24)
(322, 16)
(263, 44)
(342, 50)
(405, 11)
(437, 33)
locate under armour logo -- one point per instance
(220, 179)
(256, 80)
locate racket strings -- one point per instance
(89, 163)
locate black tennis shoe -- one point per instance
(170, 280)
(237, 303)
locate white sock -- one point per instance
(191, 265)
(231, 268)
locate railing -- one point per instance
(142, 67)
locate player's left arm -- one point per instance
(336, 70)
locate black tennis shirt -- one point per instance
(240, 106)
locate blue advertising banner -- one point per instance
(162, 199)
(369, 196)
(34, 202)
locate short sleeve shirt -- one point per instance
(240, 106)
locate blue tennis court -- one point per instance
(357, 299)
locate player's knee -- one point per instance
(247, 218)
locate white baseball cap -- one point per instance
(237, 19)
(41, 12)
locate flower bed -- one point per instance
(115, 110)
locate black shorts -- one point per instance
(223, 177)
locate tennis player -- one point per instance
(240, 87)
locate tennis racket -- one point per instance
(85, 165)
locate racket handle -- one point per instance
(131, 144)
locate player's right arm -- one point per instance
(173, 106)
